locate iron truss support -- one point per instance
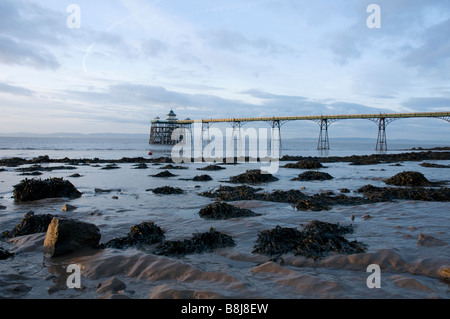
(445, 118)
(382, 122)
(323, 143)
(275, 139)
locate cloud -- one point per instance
(16, 90)
(20, 53)
(154, 47)
(235, 41)
(434, 51)
(424, 104)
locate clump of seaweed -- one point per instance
(212, 167)
(230, 193)
(317, 240)
(199, 243)
(145, 233)
(305, 164)
(30, 224)
(253, 176)
(221, 210)
(165, 173)
(167, 190)
(312, 176)
(34, 189)
(408, 178)
(202, 178)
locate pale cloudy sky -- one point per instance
(132, 60)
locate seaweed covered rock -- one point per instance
(199, 243)
(212, 167)
(167, 190)
(30, 224)
(170, 166)
(34, 189)
(165, 173)
(221, 210)
(202, 178)
(305, 164)
(385, 194)
(230, 193)
(146, 233)
(323, 238)
(316, 240)
(65, 235)
(277, 241)
(288, 196)
(425, 164)
(253, 176)
(408, 178)
(140, 166)
(312, 176)
(111, 166)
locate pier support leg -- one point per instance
(275, 138)
(323, 143)
(381, 139)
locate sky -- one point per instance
(113, 65)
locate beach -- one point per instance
(116, 195)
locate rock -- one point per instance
(344, 190)
(4, 254)
(312, 175)
(111, 285)
(2, 207)
(34, 189)
(65, 235)
(444, 272)
(305, 164)
(68, 208)
(253, 176)
(221, 210)
(146, 233)
(202, 178)
(30, 224)
(166, 173)
(429, 241)
(167, 190)
(408, 179)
